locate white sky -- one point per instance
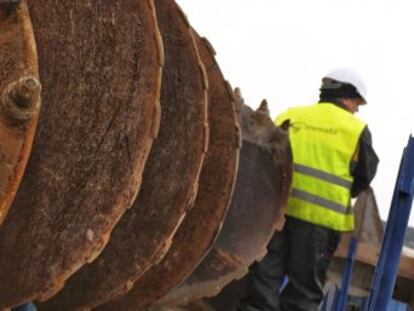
(279, 50)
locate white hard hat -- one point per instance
(350, 76)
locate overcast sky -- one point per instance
(279, 50)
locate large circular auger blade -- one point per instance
(200, 227)
(257, 207)
(170, 180)
(100, 65)
(19, 99)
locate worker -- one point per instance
(334, 160)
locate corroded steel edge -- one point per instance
(161, 62)
(238, 140)
(58, 284)
(209, 46)
(192, 194)
(30, 129)
(237, 136)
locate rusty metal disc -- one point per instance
(170, 179)
(260, 197)
(19, 99)
(100, 64)
(197, 233)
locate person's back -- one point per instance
(333, 161)
(324, 139)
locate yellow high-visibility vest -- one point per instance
(324, 139)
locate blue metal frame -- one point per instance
(342, 299)
(387, 268)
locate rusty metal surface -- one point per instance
(197, 233)
(19, 99)
(170, 179)
(99, 117)
(369, 230)
(368, 224)
(260, 196)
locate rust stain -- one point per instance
(19, 99)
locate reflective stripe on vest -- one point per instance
(311, 198)
(324, 138)
(322, 175)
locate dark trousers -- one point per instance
(302, 252)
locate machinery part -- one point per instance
(341, 302)
(19, 101)
(100, 115)
(387, 269)
(260, 197)
(369, 229)
(201, 225)
(368, 225)
(170, 181)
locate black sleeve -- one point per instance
(364, 168)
